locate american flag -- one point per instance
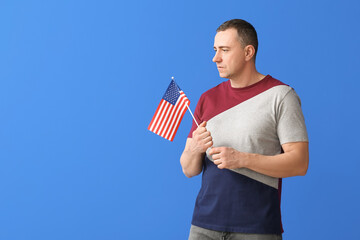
(170, 112)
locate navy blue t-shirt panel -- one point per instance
(226, 209)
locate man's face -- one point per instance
(229, 54)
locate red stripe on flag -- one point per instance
(171, 138)
(156, 118)
(156, 114)
(179, 108)
(158, 121)
(172, 116)
(166, 121)
(163, 118)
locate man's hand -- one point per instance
(293, 162)
(225, 157)
(202, 139)
(192, 158)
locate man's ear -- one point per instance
(249, 52)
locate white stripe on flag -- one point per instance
(164, 117)
(177, 123)
(157, 116)
(166, 122)
(176, 116)
(166, 105)
(172, 115)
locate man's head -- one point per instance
(235, 48)
(246, 32)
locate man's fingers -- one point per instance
(202, 136)
(203, 124)
(217, 162)
(206, 136)
(201, 127)
(200, 130)
(220, 166)
(215, 156)
(215, 150)
(208, 141)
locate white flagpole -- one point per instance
(192, 115)
(189, 110)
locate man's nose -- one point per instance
(216, 58)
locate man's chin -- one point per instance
(223, 75)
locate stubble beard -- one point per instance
(225, 75)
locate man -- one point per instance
(252, 134)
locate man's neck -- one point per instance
(248, 77)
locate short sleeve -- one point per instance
(197, 115)
(290, 119)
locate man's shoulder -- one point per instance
(270, 82)
(220, 88)
(274, 80)
(276, 86)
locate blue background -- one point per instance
(80, 81)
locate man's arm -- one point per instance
(293, 162)
(195, 148)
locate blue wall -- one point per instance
(80, 81)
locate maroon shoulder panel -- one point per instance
(223, 97)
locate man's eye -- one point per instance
(225, 50)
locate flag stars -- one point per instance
(172, 93)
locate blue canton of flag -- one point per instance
(172, 93)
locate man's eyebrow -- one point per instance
(220, 47)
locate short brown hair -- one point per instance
(246, 32)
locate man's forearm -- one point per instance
(191, 163)
(291, 163)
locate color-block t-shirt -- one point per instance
(255, 119)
